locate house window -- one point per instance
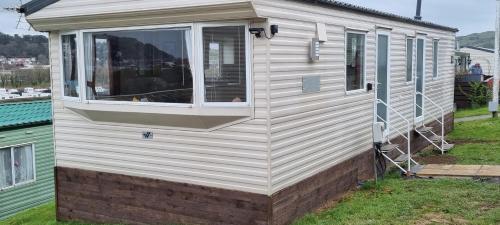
(139, 65)
(17, 166)
(409, 59)
(70, 65)
(435, 58)
(355, 61)
(224, 64)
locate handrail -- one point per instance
(408, 138)
(442, 118)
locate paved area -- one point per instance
(437, 170)
(472, 118)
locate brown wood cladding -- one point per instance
(111, 198)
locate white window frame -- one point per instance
(413, 41)
(196, 63)
(61, 66)
(435, 55)
(200, 67)
(14, 185)
(363, 88)
(138, 28)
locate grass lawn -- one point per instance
(461, 113)
(476, 131)
(477, 143)
(396, 201)
(391, 201)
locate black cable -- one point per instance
(380, 162)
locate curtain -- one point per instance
(5, 168)
(23, 164)
(189, 48)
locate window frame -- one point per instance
(200, 67)
(33, 152)
(196, 64)
(413, 41)
(363, 88)
(137, 28)
(61, 66)
(435, 58)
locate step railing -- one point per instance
(406, 136)
(438, 119)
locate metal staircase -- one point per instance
(437, 139)
(404, 161)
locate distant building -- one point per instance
(26, 156)
(483, 56)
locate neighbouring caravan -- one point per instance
(234, 111)
(483, 56)
(26, 155)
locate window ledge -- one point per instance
(182, 116)
(355, 92)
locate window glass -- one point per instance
(70, 65)
(435, 58)
(5, 168)
(355, 60)
(23, 164)
(139, 65)
(224, 64)
(409, 60)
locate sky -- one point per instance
(470, 16)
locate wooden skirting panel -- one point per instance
(111, 198)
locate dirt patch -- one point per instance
(436, 159)
(440, 218)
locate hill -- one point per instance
(26, 46)
(484, 39)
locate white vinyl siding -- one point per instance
(291, 136)
(313, 132)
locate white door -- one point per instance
(420, 81)
(383, 78)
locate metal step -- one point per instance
(416, 168)
(401, 158)
(388, 147)
(448, 147)
(436, 138)
(424, 129)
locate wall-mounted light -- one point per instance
(258, 31)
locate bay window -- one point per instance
(17, 166)
(69, 65)
(189, 64)
(224, 64)
(139, 65)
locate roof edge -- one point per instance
(376, 13)
(479, 49)
(35, 6)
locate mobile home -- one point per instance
(234, 111)
(26, 156)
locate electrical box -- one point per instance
(315, 47)
(378, 133)
(321, 32)
(493, 106)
